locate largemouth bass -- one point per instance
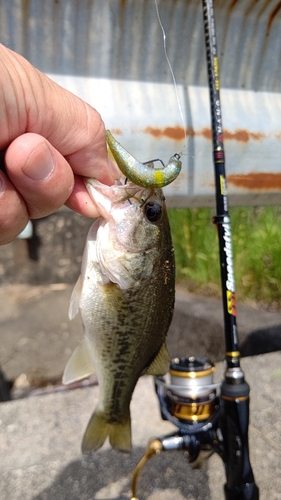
(125, 295)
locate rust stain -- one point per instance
(272, 16)
(262, 181)
(232, 5)
(177, 133)
(206, 132)
(190, 132)
(239, 135)
(116, 131)
(243, 135)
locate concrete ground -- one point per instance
(40, 436)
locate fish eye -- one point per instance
(153, 211)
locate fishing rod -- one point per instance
(235, 391)
(211, 417)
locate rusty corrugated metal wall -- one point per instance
(110, 52)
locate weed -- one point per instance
(256, 234)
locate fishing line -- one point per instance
(171, 71)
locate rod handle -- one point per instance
(240, 483)
(248, 491)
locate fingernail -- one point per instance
(40, 163)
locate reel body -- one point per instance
(192, 392)
(189, 399)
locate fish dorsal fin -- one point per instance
(160, 364)
(80, 365)
(75, 299)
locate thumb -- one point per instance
(40, 174)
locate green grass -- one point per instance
(256, 239)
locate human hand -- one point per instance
(50, 139)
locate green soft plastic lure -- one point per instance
(141, 174)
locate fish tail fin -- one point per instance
(99, 429)
(120, 435)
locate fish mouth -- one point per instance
(121, 192)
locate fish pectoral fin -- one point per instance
(75, 299)
(160, 364)
(79, 365)
(99, 429)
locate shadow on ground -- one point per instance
(262, 341)
(108, 474)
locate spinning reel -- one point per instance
(210, 417)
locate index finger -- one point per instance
(39, 105)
